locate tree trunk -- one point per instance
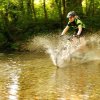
(33, 9)
(58, 3)
(86, 7)
(45, 11)
(75, 5)
(29, 9)
(6, 24)
(93, 7)
(22, 6)
(64, 8)
(89, 8)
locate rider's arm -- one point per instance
(79, 30)
(80, 26)
(65, 30)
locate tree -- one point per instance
(33, 9)
(45, 11)
(75, 5)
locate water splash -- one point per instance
(62, 51)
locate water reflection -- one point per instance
(78, 82)
(69, 85)
(30, 76)
(9, 78)
(13, 87)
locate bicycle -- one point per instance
(65, 52)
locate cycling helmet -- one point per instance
(71, 14)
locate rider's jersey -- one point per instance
(76, 23)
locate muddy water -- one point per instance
(27, 76)
(32, 76)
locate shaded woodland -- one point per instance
(21, 19)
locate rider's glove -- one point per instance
(76, 36)
(61, 35)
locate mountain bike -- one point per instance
(65, 52)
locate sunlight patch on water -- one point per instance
(13, 86)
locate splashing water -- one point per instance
(62, 51)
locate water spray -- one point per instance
(61, 50)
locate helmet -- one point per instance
(71, 14)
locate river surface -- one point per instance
(33, 76)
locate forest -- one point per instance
(21, 19)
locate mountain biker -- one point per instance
(75, 23)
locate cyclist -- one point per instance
(75, 23)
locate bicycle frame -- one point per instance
(67, 49)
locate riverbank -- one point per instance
(28, 45)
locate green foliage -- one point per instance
(14, 46)
(92, 22)
(2, 39)
(20, 19)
